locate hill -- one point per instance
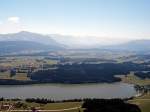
(139, 46)
(27, 42)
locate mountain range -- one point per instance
(27, 42)
(33, 42)
(139, 46)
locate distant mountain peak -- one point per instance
(28, 32)
(24, 32)
(30, 39)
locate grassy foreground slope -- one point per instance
(59, 107)
(143, 101)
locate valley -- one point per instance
(100, 67)
(96, 66)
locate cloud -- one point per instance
(14, 19)
(11, 25)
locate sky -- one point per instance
(104, 19)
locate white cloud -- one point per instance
(11, 25)
(14, 19)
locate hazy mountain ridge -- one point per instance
(134, 46)
(58, 42)
(13, 47)
(27, 42)
(29, 36)
(87, 43)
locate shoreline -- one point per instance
(51, 83)
(18, 82)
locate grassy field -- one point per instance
(4, 75)
(143, 102)
(132, 79)
(50, 106)
(21, 62)
(18, 76)
(55, 106)
(21, 76)
(18, 61)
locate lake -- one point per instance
(68, 91)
